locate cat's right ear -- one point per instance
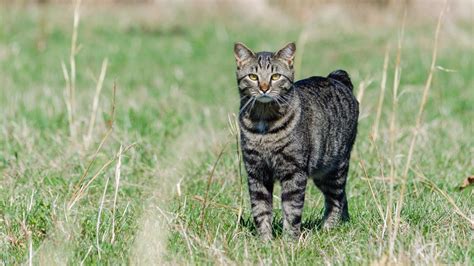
(242, 54)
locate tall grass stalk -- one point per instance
(72, 65)
(302, 39)
(375, 128)
(78, 187)
(418, 122)
(393, 136)
(117, 184)
(235, 132)
(99, 215)
(209, 182)
(95, 102)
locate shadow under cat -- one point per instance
(313, 222)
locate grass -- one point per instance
(175, 88)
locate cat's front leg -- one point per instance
(292, 199)
(261, 190)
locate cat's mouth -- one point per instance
(264, 98)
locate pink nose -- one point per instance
(264, 87)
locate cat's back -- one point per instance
(331, 95)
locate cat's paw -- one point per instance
(266, 237)
(330, 222)
(333, 221)
(328, 225)
(291, 236)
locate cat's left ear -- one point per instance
(287, 53)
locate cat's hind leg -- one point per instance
(335, 200)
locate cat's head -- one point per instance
(265, 76)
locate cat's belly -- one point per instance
(321, 162)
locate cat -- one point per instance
(292, 131)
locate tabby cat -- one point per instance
(292, 131)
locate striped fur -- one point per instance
(305, 129)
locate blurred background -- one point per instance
(114, 114)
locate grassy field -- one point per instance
(157, 178)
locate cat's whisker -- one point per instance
(285, 101)
(245, 105)
(253, 103)
(277, 101)
(243, 97)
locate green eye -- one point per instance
(253, 77)
(276, 76)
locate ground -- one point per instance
(177, 193)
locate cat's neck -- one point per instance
(268, 112)
(263, 112)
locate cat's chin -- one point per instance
(265, 99)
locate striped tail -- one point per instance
(341, 76)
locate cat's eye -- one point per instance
(253, 77)
(276, 76)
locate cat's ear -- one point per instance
(287, 53)
(242, 53)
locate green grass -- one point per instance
(175, 88)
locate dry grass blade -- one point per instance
(380, 160)
(95, 102)
(361, 90)
(375, 128)
(382, 174)
(302, 39)
(185, 235)
(110, 123)
(426, 90)
(99, 148)
(445, 195)
(209, 181)
(234, 123)
(117, 184)
(418, 121)
(396, 84)
(219, 205)
(67, 97)
(94, 157)
(99, 215)
(72, 65)
(376, 200)
(30, 249)
(84, 187)
(85, 256)
(233, 126)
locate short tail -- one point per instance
(341, 76)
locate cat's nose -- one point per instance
(264, 87)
